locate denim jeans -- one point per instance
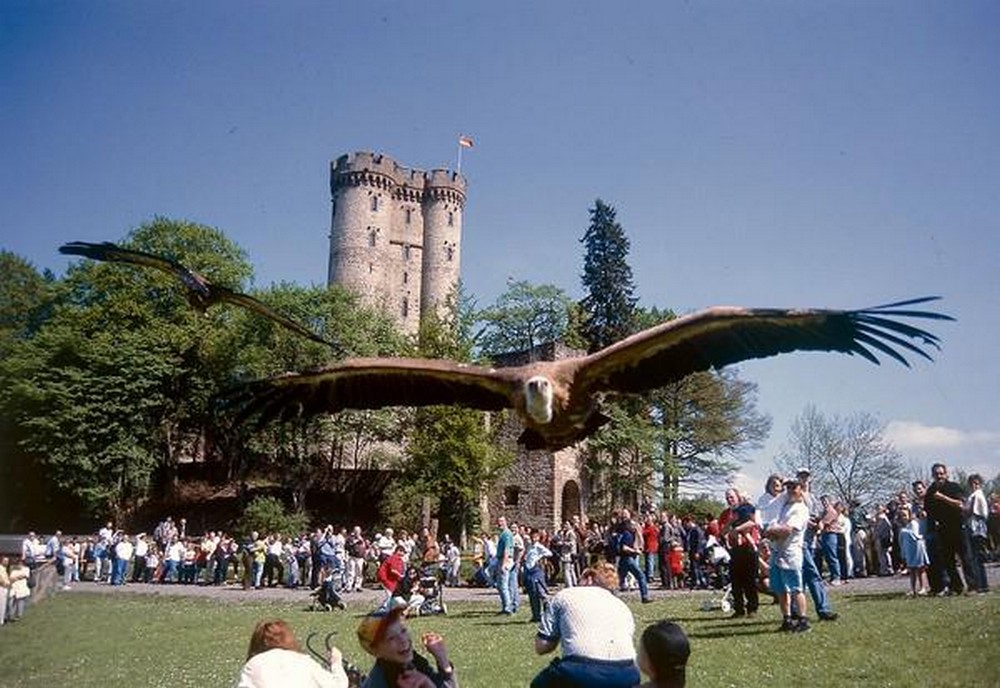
(811, 578)
(650, 564)
(630, 564)
(534, 583)
(977, 552)
(507, 586)
(828, 542)
(587, 673)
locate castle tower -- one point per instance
(395, 234)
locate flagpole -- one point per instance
(458, 167)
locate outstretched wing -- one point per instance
(206, 292)
(719, 336)
(107, 251)
(249, 302)
(371, 383)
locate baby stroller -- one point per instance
(717, 559)
(721, 600)
(429, 587)
(325, 597)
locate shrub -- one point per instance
(268, 515)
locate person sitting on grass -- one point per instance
(384, 636)
(275, 659)
(663, 654)
(595, 630)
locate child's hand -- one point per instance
(434, 644)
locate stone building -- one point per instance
(395, 234)
(395, 239)
(542, 489)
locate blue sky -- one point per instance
(839, 154)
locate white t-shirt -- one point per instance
(769, 507)
(589, 621)
(124, 550)
(277, 668)
(788, 551)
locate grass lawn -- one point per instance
(97, 640)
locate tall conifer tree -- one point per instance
(609, 305)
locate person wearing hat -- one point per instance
(787, 532)
(811, 577)
(384, 636)
(663, 654)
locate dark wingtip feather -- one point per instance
(878, 327)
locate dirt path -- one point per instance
(372, 597)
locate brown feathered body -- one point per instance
(559, 401)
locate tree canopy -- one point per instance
(609, 305)
(848, 457)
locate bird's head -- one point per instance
(538, 399)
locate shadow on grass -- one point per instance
(735, 631)
(875, 597)
(475, 613)
(751, 625)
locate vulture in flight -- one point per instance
(201, 293)
(559, 401)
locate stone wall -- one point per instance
(395, 234)
(539, 479)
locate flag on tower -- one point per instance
(466, 141)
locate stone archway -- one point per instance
(571, 504)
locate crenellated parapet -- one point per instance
(380, 171)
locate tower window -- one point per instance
(409, 215)
(451, 219)
(449, 252)
(406, 277)
(372, 237)
(511, 495)
(371, 268)
(374, 203)
(406, 251)
(406, 307)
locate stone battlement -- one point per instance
(364, 168)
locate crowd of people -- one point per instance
(789, 544)
(784, 544)
(591, 626)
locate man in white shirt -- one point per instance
(787, 532)
(123, 556)
(139, 559)
(594, 629)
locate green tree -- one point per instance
(705, 423)
(302, 451)
(265, 515)
(453, 453)
(117, 385)
(849, 457)
(690, 433)
(25, 304)
(620, 457)
(525, 316)
(25, 300)
(609, 305)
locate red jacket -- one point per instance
(390, 571)
(651, 538)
